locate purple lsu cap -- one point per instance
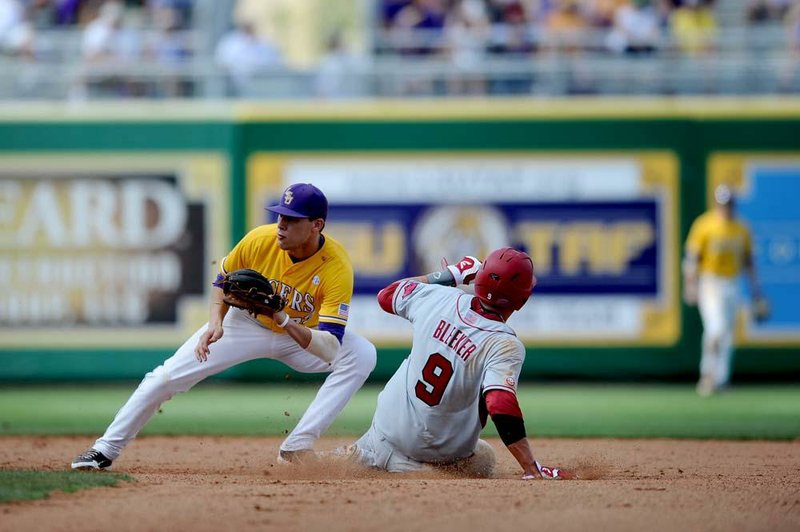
(302, 200)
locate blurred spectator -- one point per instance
(20, 41)
(11, 17)
(467, 33)
(178, 13)
(105, 39)
(511, 34)
(419, 27)
(108, 46)
(602, 13)
(512, 37)
(389, 10)
(338, 71)
(636, 29)
(566, 26)
(300, 28)
(793, 28)
(694, 26)
(498, 11)
(169, 48)
(243, 55)
(66, 12)
(759, 11)
(789, 81)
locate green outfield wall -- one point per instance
(98, 200)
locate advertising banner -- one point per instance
(114, 250)
(766, 187)
(601, 229)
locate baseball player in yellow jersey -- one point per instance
(718, 248)
(313, 273)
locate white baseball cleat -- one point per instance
(705, 387)
(301, 456)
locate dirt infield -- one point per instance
(226, 483)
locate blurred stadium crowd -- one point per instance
(82, 49)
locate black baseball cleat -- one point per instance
(91, 459)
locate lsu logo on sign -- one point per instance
(454, 231)
(579, 248)
(344, 310)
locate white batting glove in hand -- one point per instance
(464, 270)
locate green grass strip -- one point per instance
(559, 410)
(32, 485)
(663, 411)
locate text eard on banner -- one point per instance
(101, 250)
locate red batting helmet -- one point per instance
(505, 279)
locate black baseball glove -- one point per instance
(250, 291)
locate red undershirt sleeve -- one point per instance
(503, 406)
(502, 402)
(386, 295)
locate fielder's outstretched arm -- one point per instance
(217, 311)
(321, 343)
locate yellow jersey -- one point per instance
(721, 245)
(318, 289)
(693, 29)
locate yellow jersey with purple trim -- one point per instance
(318, 289)
(722, 245)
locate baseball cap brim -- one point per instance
(280, 209)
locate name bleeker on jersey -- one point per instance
(454, 338)
(429, 408)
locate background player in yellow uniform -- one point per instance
(718, 249)
(313, 273)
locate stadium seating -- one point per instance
(468, 47)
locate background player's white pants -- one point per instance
(244, 339)
(373, 450)
(717, 298)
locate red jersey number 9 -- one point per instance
(435, 377)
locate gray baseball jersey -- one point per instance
(429, 408)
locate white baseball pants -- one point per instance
(245, 339)
(717, 299)
(375, 451)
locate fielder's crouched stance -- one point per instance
(313, 276)
(464, 364)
